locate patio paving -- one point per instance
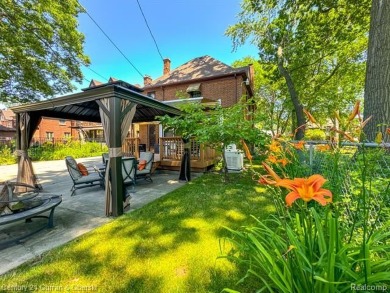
(76, 215)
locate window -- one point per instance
(195, 94)
(49, 135)
(194, 90)
(151, 94)
(62, 122)
(67, 134)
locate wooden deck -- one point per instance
(171, 150)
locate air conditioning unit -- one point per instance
(231, 148)
(234, 161)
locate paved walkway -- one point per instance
(75, 215)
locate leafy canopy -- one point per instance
(215, 126)
(40, 49)
(318, 46)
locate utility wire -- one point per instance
(96, 73)
(150, 31)
(85, 10)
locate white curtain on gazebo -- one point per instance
(127, 114)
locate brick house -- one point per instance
(51, 129)
(202, 78)
(7, 125)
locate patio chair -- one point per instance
(128, 171)
(79, 181)
(105, 158)
(147, 171)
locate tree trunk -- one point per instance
(377, 90)
(298, 108)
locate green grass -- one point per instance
(170, 245)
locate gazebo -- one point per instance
(115, 105)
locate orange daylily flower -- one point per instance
(388, 131)
(309, 116)
(323, 148)
(299, 145)
(272, 159)
(246, 149)
(306, 189)
(355, 111)
(283, 161)
(275, 147)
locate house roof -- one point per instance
(197, 68)
(96, 84)
(8, 114)
(7, 129)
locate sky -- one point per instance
(183, 30)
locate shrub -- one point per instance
(6, 156)
(58, 151)
(315, 134)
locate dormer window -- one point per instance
(194, 90)
(151, 95)
(195, 94)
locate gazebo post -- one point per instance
(116, 166)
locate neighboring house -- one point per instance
(51, 129)
(6, 134)
(7, 125)
(7, 118)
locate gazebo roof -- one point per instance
(83, 105)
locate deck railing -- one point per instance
(172, 148)
(130, 147)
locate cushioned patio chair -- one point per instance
(105, 158)
(146, 172)
(128, 171)
(79, 180)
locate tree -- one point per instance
(317, 47)
(215, 127)
(377, 91)
(273, 110)
(40, 49)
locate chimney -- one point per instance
(147, 80)
(167, 66)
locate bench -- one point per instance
(25, 202)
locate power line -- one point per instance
(96, 73)
(112, 42)
(150, 31)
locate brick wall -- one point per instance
(228, 89)
(57, 127)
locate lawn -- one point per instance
(171, 245)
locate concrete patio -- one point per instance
(76, 215)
